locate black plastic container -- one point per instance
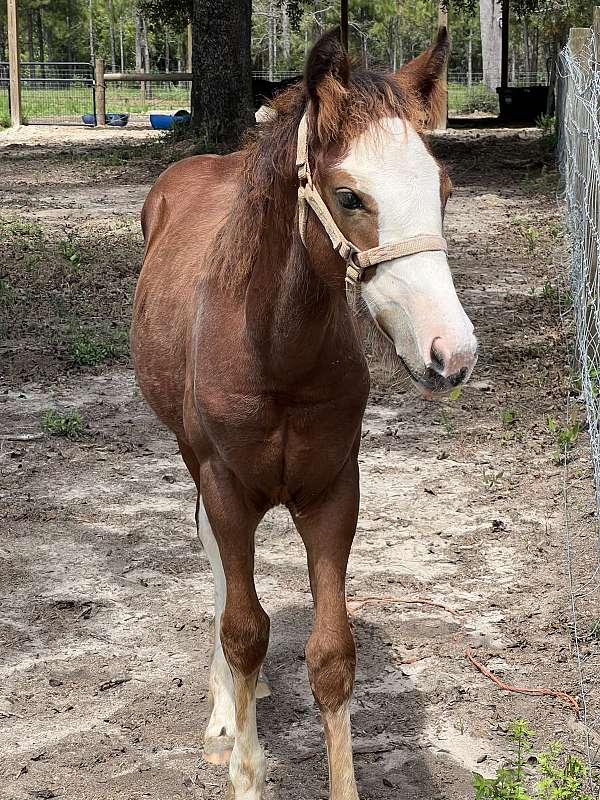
(522, 104)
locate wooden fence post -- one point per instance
(13, 65)
(100, 89)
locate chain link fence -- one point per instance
(579, 155)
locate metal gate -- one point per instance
(52, 92)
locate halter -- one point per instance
(357, 261)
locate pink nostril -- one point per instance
(449, 363)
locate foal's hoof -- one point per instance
(217, 749)
(263, 687)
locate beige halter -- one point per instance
(357, 261)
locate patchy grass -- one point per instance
(88, 348)
(71, 426)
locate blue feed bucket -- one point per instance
(161, 121)
(115, 120)
(164, 121)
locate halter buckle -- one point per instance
(353, 272)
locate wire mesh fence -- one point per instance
(52, 93)
(142, 98)
(579, 151)
(61, 93)
(4, 96)
(468, 94)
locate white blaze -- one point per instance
(412, 298)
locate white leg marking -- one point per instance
(222, 718)
(247, 768)
(338, 735)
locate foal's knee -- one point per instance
(331, 660)
(245, 638)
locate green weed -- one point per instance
(546, 123)
(565, 435)
(492, 479)
(508, 416)
(557, 776)
(70, 425)
(455, 394)
(447, 423)
(532, 237)
(89, 349)
(70, 250)
(20, 228)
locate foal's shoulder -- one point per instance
(191, 187)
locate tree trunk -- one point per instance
(271, 39)
(138, 43)
(111, 36)
(138, 53)
(30, 45)
(121, 44)
(526, 49)
(285, 33)
(396, 43)
(167, 51)
(146, 53)
(69, 30)
(2, 41)
(40, 36)
(491, 42)
(179, 55)
(222, 106)
(91, 31)
(470, 59)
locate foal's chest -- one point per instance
(283, 444)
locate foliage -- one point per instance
(566, 435)
(69, 425)
(557, 776)
(87, 349)
(174, 13)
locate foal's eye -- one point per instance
(347, 199)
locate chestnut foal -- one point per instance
(246, 348)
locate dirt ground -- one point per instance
(105, 593)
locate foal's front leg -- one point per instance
(327, 530)
(244, 624)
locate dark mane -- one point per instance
(263, 216)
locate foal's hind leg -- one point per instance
(327, 529)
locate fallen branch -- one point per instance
(372, 600)
(567, 698)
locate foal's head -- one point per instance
(382, 185)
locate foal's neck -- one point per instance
(293, 318)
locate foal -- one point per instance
(246, 348)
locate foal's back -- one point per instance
(181, 216)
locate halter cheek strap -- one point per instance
(357, 261)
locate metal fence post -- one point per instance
(100, 92)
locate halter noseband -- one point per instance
(357, 261)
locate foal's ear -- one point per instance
(423, 75)
(326, 76)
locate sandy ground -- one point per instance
(105, 593)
